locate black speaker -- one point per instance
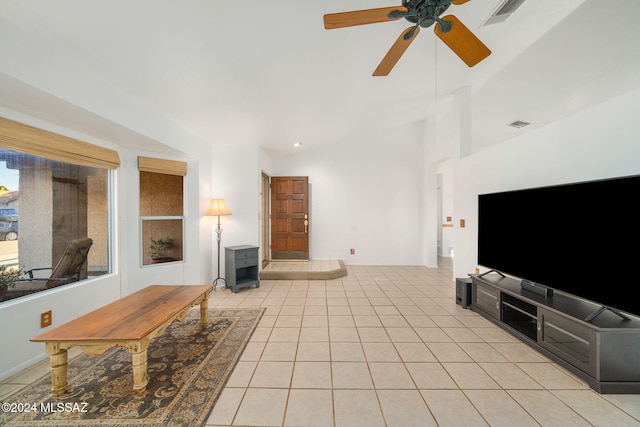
(537, 289)
(463, 292)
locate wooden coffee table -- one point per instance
(131, 322)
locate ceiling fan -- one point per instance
(422, 13)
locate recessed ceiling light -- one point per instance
(297, 144)
(519, 124)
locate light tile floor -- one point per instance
(388, 346)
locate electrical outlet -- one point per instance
(353, 251)
(45, 319)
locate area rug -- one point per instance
(187, 367)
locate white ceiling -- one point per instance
(268, 73)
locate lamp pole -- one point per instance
(219, 238)
(217, 208)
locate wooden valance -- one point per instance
(168, 167)
(31, 140)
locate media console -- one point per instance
(604, 352)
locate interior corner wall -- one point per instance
(206, 251)
(236, 177)
(597, 143)
(430, 194)
(366, 195)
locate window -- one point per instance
(54, 206)
(161, 210)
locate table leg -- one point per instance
(204, 310)
(139, 364)
(58, 362)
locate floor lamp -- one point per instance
(218, 208)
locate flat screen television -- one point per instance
(581, 238)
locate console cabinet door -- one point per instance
(487, 299)
(570, 340)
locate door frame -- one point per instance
(265, 218)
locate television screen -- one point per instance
(582, 238)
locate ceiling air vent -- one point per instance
(503, 11)
(518, 124)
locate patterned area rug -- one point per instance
(187, 366)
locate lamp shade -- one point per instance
(218, 207)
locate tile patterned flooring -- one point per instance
(388, 346)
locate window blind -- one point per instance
(31, 140)
(168, 167)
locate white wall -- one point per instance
(601, 142)
(365, 195)
(236, 177)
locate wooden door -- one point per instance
(290, 217)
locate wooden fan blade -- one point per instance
(463, 42)
(360, 17)
(459, 2)
(396, 51)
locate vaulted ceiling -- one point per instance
(268, 73)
